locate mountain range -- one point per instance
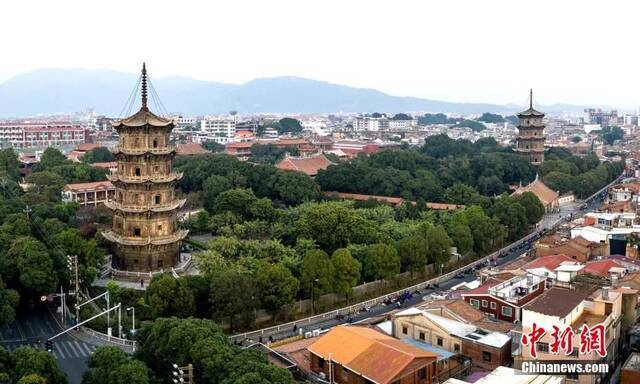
(63, 91)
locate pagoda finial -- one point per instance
(530, 98)
(144, 86)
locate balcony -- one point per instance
(114, 205)
(173, 176)
(166, 150)
(142, 241)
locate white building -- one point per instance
(221, 129)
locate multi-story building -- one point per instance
(486, 349)
(89, 194)
(504, 300)
(41, 133)
(145, 225)
(530, 143)
(371, 123)
(575, 306)
(221, 129)
(600, 117)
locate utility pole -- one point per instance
(72, 263)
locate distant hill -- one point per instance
(49, 91)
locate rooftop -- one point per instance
(89, 187)
(550, 262)
(502, 375)
(538, 188)
(558, 301)
(310, 165)
(359, 349)
(516, 288)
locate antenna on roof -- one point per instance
(144, 86)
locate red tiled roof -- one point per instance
(538, 188)
(86, 147)
(389, 200)
(550, 262)
(240, 144)
(309, 165)
(483, 289)
(600, 267)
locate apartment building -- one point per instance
(89, 194)
(221, 129)
(41, 133)
(576, 305)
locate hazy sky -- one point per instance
(582, 52)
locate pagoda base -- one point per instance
(146, 258)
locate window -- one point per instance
(422, 373)
(137, 171)
(493, 305)
(486, 356)
(155, 143)
(405, 330)
(507, 311)
(439, 341)
(535, 287)
(160, 228)
(157, 199)
(160, 264)
(320, 363)
(485, 303)
(456, 348)
(474, 303)
(421, 336)
(136, 231)
(542, 347)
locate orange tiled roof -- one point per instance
(370, 353)
(390, 200)
(86, 147)
(538, 188)
(309, 165)
(96, 185)
(240, 144)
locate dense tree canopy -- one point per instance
(98, 155)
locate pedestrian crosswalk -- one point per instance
(67, 349)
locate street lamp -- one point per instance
(180, 376)
(133, 319)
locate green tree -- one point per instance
(168, 296)
(413, 253)
(611, 134)
(534, 209)
(9, 299)
(51, 158)
(212, 187)
(29, 263)
(110, 365)
(317, 271)
(32, 378)
(347, 272)
(381, 262)
(98, 155)
(233, 293)
(276, 286)
(28, 361)
(236, 201)
(289, 125)
(9, 164)
(46, 184)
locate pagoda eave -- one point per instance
(141, 242)
(115, 206)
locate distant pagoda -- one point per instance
(531, 134)
(145, 226)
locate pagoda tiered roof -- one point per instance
(168, 150)
(142, 241)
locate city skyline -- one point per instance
(487, 52)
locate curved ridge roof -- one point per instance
(143, 117)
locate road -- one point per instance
(549, 221)
(38, 324)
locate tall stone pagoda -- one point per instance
(531, 134)
(145, 226)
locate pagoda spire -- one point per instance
(144, 86)
(530, 98)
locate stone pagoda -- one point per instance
(531, 134)
(145, 226)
